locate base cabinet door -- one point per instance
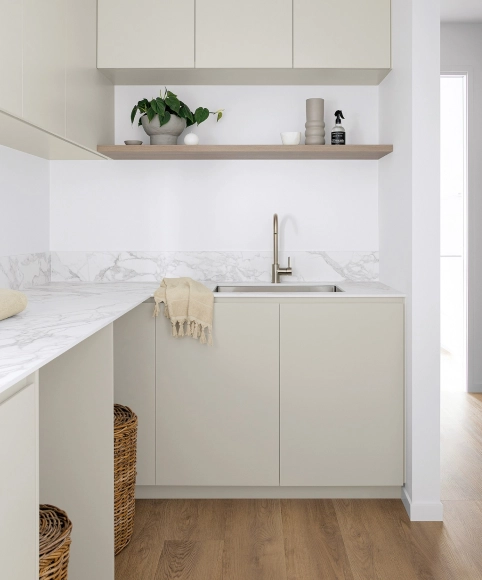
(218, 407)
(135, 382)
(19, 504)
(341, 394)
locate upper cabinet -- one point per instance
(249, 42)
(11, 56)
(248, 34)
(148, 34)
(342, 34)
(89, 94)
(54, 103)
(44, 64)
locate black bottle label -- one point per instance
(338, 138)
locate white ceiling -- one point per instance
(461, 10)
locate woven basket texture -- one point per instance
(125, 456)
(54, 549)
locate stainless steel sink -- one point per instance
(279, 288)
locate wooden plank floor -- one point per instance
(322, 539)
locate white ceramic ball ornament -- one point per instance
(191, 139)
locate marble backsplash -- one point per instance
(210, 266)
(25, 270)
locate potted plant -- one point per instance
(166, 117)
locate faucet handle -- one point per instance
(289, 261)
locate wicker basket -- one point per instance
(54, 549)
(125, 454)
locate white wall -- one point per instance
(24, 203)
(213, 205)
(225, 205)
(410, 234)
(461, 51)
(257, 114)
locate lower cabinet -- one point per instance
(342, 393)
(135, 382)
(291, 394)
(218, 407)
(19, 519)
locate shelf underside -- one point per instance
(283, 152)
(240, 76)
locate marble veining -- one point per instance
(25, 270)
(210, 266)
(30, 270)
(58, 317)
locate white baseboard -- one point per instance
(422, 512)
(187, 492)
(475, 388)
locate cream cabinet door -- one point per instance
(218, 407)
(44, 64)
(342, 394)
(89, 93)
(342, 34)
(145, 34)
(19, 504)
(11, 56)
(135, 382)
(247, 34)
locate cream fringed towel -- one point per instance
(187, 303)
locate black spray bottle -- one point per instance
(338, 133)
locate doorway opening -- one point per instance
(453, 232)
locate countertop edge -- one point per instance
(8, 384)
(15, 340)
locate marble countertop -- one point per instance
(61, 315)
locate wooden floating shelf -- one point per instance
(285, 152)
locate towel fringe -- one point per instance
(195, 330)
(189, 325)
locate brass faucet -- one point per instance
(276, 271)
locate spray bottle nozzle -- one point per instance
(339, 116)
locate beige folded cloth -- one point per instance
(11, 302)
(189, 303)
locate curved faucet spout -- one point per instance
(275, 239)
(276, 270)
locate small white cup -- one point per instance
(291, 138)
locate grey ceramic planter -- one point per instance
(165, 135)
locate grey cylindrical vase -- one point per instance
(315, 122)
